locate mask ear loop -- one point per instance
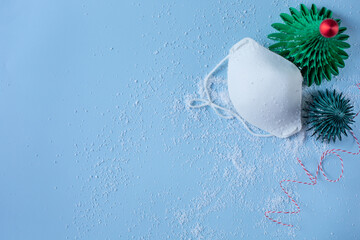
(220, 111)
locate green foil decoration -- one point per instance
(329, 115)
(300, 41)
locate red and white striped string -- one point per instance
(313, 179)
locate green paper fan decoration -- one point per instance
(299, 40)
(329, 115)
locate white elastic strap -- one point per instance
(221, 111)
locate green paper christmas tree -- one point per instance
(329, 115)
(300, 41)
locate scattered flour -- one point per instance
(232, 173)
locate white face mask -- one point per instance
(264, 88)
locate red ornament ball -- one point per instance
(329, 28)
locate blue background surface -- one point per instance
(96, 141)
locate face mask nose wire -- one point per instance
(220, 111)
